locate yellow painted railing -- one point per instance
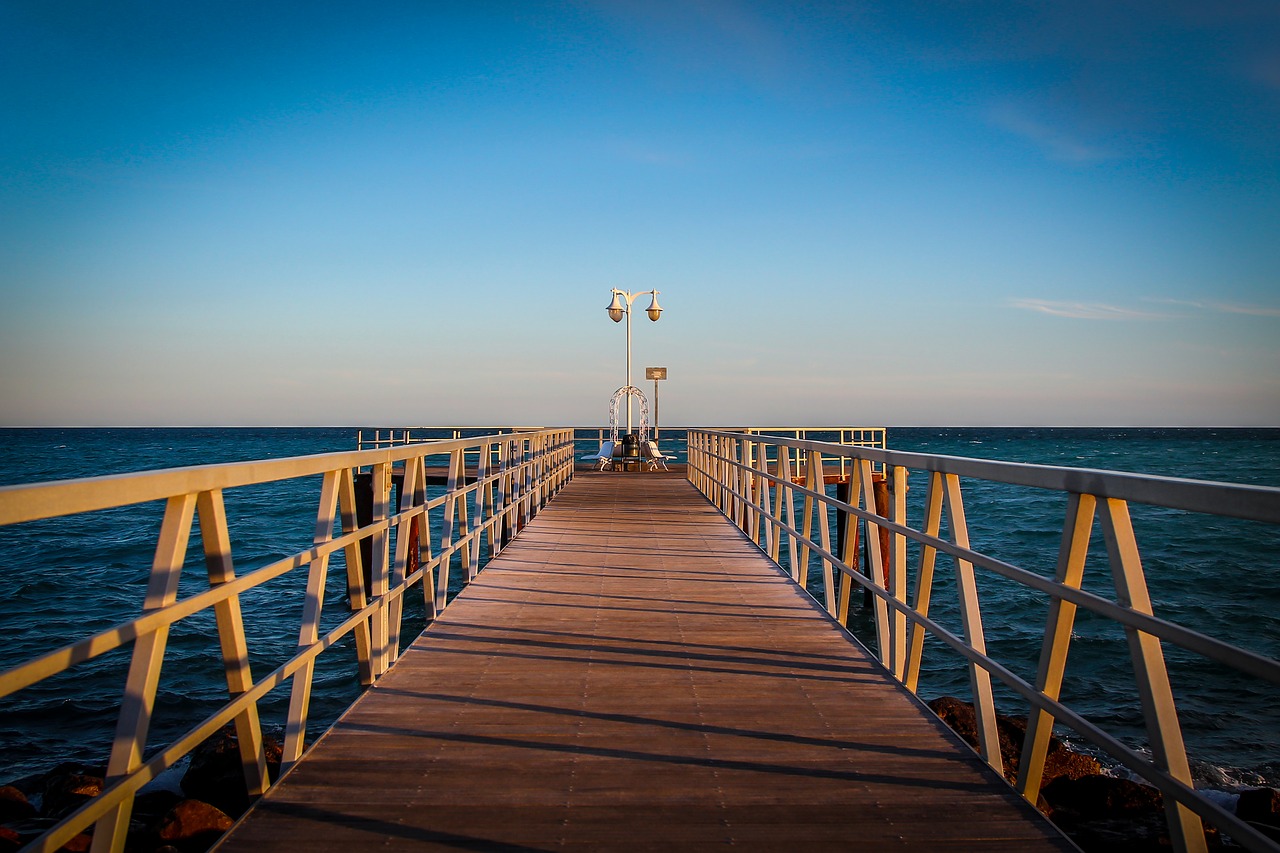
(750, 477)
(494, 485)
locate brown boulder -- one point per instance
(193, 826)
(216, 775)
(1103, 814)
(67, 789)
(14, 805)
(1060, 760)
(1260, 805)
(1102, 796)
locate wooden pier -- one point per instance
(632, 673)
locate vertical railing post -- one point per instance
(1154, 692)
(357, 594)
(413, 494)
(295, 730)
(819, 484)
(1057, 640)
(924, 578)
(693, 459)
(864, 483)
(847, 536)
(447, 527)
(984, 707)
(378, 578)
(216, 538)
(764, 500)
(784, 470)
(483, 506)
(733, 475)
(898, 572)
(144, 668)
(806, 530)
(727, 449)
(526, 480)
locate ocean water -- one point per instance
(66, 578)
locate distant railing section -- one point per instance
(491, 502)
(740, 472)
(845, 437)
(397, 436)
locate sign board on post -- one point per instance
(655, 373)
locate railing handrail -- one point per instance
(1236, 500)
(735, 471)
(496, 484)
(404, 435)
(31, 502)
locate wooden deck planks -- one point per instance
(631, 674)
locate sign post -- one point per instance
(655, 373)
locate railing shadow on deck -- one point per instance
(494, 485)
(776, 490)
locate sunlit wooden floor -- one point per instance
(633, 674)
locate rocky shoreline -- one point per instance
(212, 795)
(1099, 812)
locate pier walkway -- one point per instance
(633, 673)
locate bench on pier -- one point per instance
(604, 456)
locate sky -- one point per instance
(857, 213)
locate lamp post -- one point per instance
(617, 311)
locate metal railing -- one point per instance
(397, 436)
(845, 437)
(739, 473)
(487, 501)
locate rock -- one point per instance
(1144, 835)
(1060, 760)
(1103, 796)
(1103, 814)
(216, 775)
(80, 844)
(66, 789)
(192, 826)
(14, 805)
(150, 808)
(149, 811)
(1261, 805)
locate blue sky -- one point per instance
(857, 213)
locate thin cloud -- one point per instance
(1085, 310)
(648, 154)
(1054, 143)
(1252, 310)
(1224, 307)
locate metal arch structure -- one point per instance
(626, 392)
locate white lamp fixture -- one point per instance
(619, 307)
(654, 310)
(616, 310)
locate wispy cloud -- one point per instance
(1085, 310)
(1253, 310)
(1223, 307)
(1055, 143)
(648, 153)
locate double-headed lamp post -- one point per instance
(617, 311)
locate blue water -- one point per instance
(66, 578)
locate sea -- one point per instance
(66, 578)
